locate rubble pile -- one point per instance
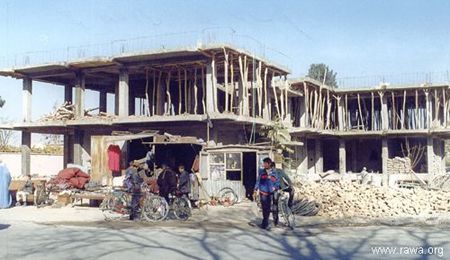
(65, 112)
(399, 165)
(347, 199)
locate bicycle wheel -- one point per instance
(40, 197)
(227, 197)
(181, 208)
(155, 208)
(108, 208)
(286, 213)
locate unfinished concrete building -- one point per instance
(225, 94)
(215, 93)
(385, 129)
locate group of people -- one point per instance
(168, 183)
(269, 181)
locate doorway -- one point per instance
(249, 168)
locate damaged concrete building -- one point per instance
(224, 94)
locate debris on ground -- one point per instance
(348, 199)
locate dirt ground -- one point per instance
(243, 214)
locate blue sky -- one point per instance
(355, 38)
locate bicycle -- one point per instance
(225, 197)
(157, 208)
(117, 204)
(42, 196)
(283, 208)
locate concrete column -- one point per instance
(384, 160)
(77, 147)
(211, 82)
(319, 156)
(27, 92)
(103, 101)
(116, 99)
(79, 94)
(430, 156)
(123, 93)
(131, 103)
(302, 155)
(25, 150)
(68, 96)
(68, 149)
(384, 113)
(302, 110)
(342, 157)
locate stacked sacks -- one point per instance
(69, 178)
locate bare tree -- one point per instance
(6, 135)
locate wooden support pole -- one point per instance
(340, 112)
(179, 92)
(169, 98)
(226, 78)
(306, 104)
(403, 123)
(394, 121)
(214, 83)
(360, 112)
(203, 80)
(276, 98)
(195, 92)
(282, 104)
(147, 101)
(347, 127)
(259, 88)
(444, 104)
(266, 94)
(232, 83)
(428, 108)
(186, 96)
(154, 93)
(417, 110)
(372, 112)
(159, 96)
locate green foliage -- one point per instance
(317, 72)
(2, 102)
(278, 134)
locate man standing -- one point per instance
(5, 180)
(184, 182)
(268, 181)
(27, 189)
(167, 182)
(133, 182)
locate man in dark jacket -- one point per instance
(133, 182)
(184, 182)
(267, 183)
(285, 184)
(167, 182)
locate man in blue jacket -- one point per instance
(268, 181)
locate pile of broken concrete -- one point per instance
(349, 199)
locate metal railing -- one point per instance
(442, 77)
(145, 44)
